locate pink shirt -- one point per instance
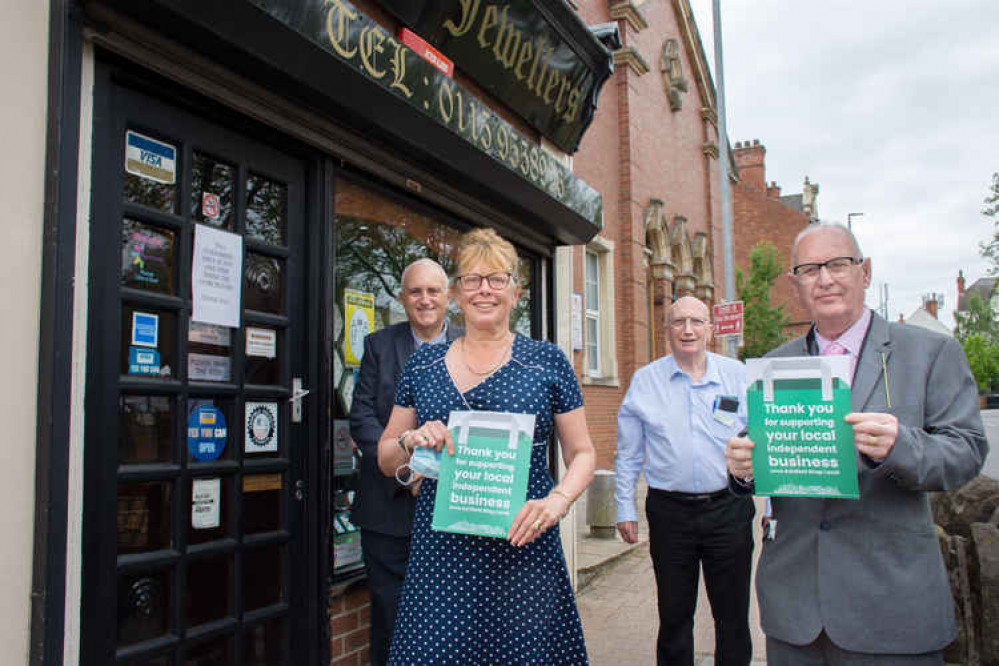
(852, 339)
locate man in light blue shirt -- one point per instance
(673, 425)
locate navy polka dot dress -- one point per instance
(470, 600)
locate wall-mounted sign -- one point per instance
(206, 433)
(261, 427)
(211, 205)
(209, 334)
(342, 30)
(359, 317)
(261, 342)
(427, 52)
(206, 495)
(148, 158)
(143, 361)
(145, 329)
(208, 368)
(216, 276)
(728, 318)
(535, 55)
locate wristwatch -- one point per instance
(402, 445)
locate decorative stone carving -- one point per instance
(632, 58)
(627, 10)
(671, 70)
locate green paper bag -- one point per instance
(483, 485)
(795, 408)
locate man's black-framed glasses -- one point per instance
(473, 281)
(837, 267)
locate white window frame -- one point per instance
(605, 371)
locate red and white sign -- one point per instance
(425, 51)
(211, 205)
(728, 318)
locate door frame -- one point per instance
(101, 394)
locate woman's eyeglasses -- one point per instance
(473, 281)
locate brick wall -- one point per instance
(759, 215)
(350, 618)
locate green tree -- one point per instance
(977, 319)
(990, 250)
(983, 357)
(763, 325)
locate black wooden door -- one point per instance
(197, 437)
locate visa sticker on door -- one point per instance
(803, 447)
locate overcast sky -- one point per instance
(891, 106)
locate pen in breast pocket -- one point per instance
(884, 371)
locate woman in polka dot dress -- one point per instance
(470, 600)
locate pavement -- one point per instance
(616, 597)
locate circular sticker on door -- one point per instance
(261, 427)
(206, 433)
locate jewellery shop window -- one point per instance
(377, 236)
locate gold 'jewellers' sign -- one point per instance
(341, 29)
(535, 55)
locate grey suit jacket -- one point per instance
(869, 571)
(381, 504)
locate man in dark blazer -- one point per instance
(383, 508)
(863, 581)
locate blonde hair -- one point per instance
(488, 247)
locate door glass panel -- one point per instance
(266, 209)
(212, 182)
(208, 584)
(148, 341)
(263, 280)
(211, 513)
(162, 660)
(145, 429)
(262, 502)
(150, 172)
(264, 643)
(211, 430)
(212, 653)
(147, 257)
(143, 516)
(263, 347)
(263, 577)
(143, 605)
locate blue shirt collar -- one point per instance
(711, 375)
(439, 339)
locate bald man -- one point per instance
(673, 424)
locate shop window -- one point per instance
(376, 237)
(600, 361)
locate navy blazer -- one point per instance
(381, 504)
(869, 572)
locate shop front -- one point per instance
(250, 179)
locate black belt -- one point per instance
(692, 497)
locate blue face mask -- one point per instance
(426, 462)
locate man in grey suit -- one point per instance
(383, 508)
(862, 581)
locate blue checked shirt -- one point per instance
(666, 428)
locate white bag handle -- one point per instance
(797, 368)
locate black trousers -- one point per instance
(385, 559)
(715, 533)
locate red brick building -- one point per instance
(652, 152)
(760, 213)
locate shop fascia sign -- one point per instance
(535, 55)
(345, 32)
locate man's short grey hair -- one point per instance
(816, 226)
(430, 263)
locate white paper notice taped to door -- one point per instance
(205, 503)
(216, 276)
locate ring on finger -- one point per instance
(537, 525)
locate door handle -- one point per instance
(297, 393)
(300, 490)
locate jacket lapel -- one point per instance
(869, 365)
(405, 346)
